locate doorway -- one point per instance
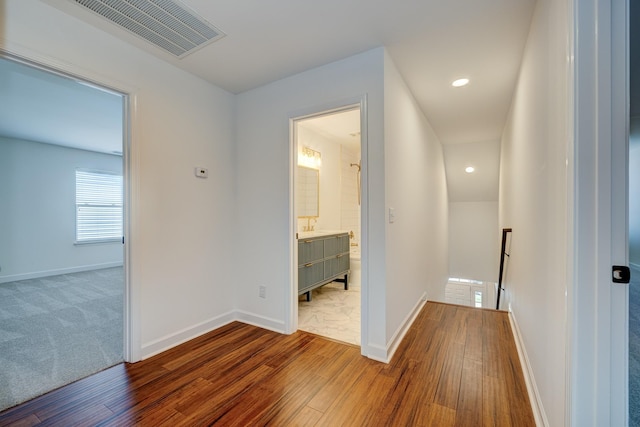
(63, 147)
(634, 216)
(328, 200)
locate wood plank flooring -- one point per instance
(457, 366)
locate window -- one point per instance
(98, 206)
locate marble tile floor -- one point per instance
(333, 312)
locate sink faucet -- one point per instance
(309, 226)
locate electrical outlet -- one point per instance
(202, 172)
(262, 291)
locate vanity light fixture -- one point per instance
(469, 169)
(460, 82)
(310, 158)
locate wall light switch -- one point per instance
(202, 172)
(392, 215)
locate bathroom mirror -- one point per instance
(308, 192)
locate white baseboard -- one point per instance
(177, 338)
(260, 321)
(534, 396)
(385, 354)
(57, 272)
(379, 353)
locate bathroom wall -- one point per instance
(330, 188)
(339, 207)
(350, 208)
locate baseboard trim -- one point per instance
(260, 321)
(534, 396)
(59, 271)
(385, 354)
(180, 337)
(374, 352)
(172, 340)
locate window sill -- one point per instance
(97, 241)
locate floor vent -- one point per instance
(167, 24)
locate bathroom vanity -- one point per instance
(323, 257)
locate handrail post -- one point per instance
(502, 254)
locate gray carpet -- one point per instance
(58, 329)
(634, 348)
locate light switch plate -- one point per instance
(392, 215)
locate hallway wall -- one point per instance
(533, 201)
(416, 189)
(474, 241)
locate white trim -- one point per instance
(59, 271)
(378, 353)
(597, 326)
(260, 321)
(132, 317)
(180, 337)
(291, 309)
(172, 340)
(385, 354)
(132, 349)
(534, 395)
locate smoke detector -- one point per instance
(167, 24)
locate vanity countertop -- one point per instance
(319, 233)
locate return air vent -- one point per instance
(167, 24)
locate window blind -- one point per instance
(98, 206)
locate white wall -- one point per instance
(415, 187)
(194, 239)
(350, 207)
(402, 168)
(330, 203)
(263, 206)
(182, 245)
(533, 201)
(37, 219)
(474, 241)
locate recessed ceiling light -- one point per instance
(460, 82)
(469, 169)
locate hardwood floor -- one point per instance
(457, 366)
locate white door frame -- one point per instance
(597, 356)
(131, 336)
(291, 319)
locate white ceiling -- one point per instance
(432, 42)
(44, 107)
(482, 184)
(342, 127)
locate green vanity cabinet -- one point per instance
(322, 259)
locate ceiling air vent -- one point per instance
(167, 24)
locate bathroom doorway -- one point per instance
(327, 205)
